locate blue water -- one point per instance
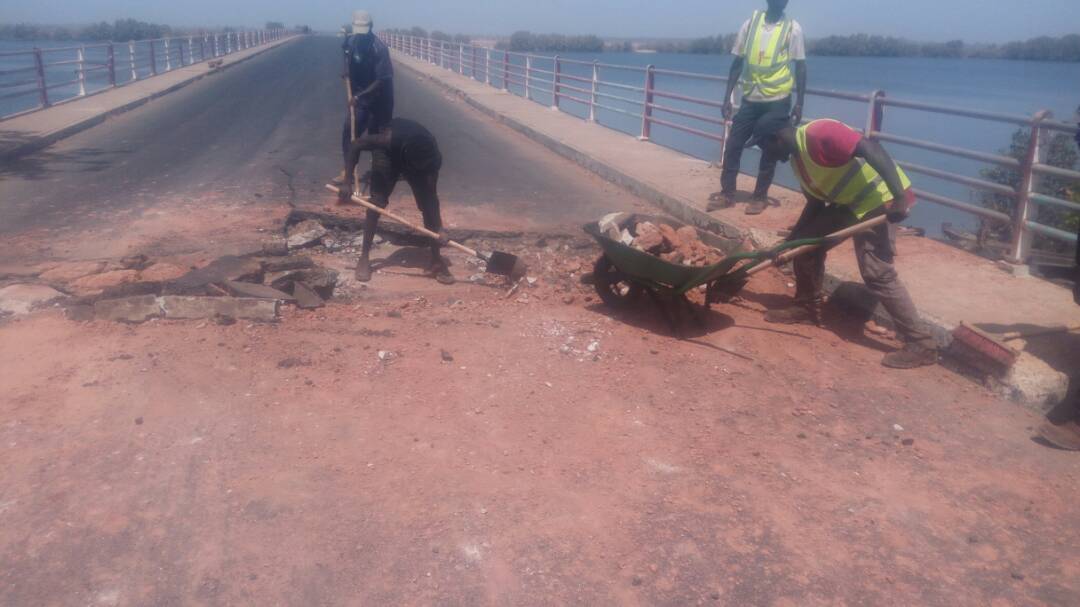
(1010, 87)
(24, 78)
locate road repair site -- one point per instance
(222, 385)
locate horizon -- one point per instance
(609, 19)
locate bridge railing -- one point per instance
(632, 93)
(44, 77)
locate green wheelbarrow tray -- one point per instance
(724, 279)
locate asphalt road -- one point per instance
(269, 130)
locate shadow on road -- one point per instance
(44, 164)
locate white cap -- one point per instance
(361, 22)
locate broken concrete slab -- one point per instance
(180, 307)
(275, 247)
(22, 299)
(306, 297)
(321, 280)
(282, 281)
(96, 283)
(305, 234)
(247, 289)
(73, 270)
(129, 309)
(284, 264)
(230, 267)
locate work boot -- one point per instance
(914, 355)
(757, 205)
(721, 200)
(802, 313)
(1063, 436)
(363, 270)
(340, 179)
(441, 272)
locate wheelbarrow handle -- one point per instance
(364, 202)
(790, 254)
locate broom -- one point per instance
(990, 353)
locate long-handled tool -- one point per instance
(498, 262)
(727, 287)
(989, 352)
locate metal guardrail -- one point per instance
(502, 69)
(98, 67)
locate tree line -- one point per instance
(120, 30)
(1045, 48)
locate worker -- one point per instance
(371, 77)
(403, 149)
(1066, 435)
(764, 49)
(847, 179)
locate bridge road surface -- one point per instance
(268, 132)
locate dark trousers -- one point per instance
(742, 128)
(874, 251)
(368, 120)
(384, 177)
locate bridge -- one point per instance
(480, 444)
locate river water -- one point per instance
(1014, 87)
(1011, 87)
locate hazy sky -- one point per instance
(972, 20)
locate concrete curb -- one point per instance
(46, 139)
(1037, 387)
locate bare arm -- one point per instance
(733, 79)
(363, 143)
(876, 156)
(372, 90)
(800, 92)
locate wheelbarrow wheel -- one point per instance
(615, 288)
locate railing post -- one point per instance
(556, 69)
(43, 88)
(81, 54)
(875, 116)
(112, 64)
(131, 58)
(153, 60)
(528, 76)
(646, 114)
(168, 55)
(595, 89)
(1020, 247)
(506, 71)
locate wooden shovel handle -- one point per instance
(1010, 336)
(364, 202)
(797, 251)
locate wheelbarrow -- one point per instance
(623, 273)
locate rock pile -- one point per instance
(680, 246)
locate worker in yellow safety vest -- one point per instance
(764, 50)
(847, 178)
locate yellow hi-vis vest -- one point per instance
(856, 184)
(768, 70)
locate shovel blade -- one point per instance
(505, 264)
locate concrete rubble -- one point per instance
(19, 299)
(680, 246)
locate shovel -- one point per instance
(726, 290)
(502, 264)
